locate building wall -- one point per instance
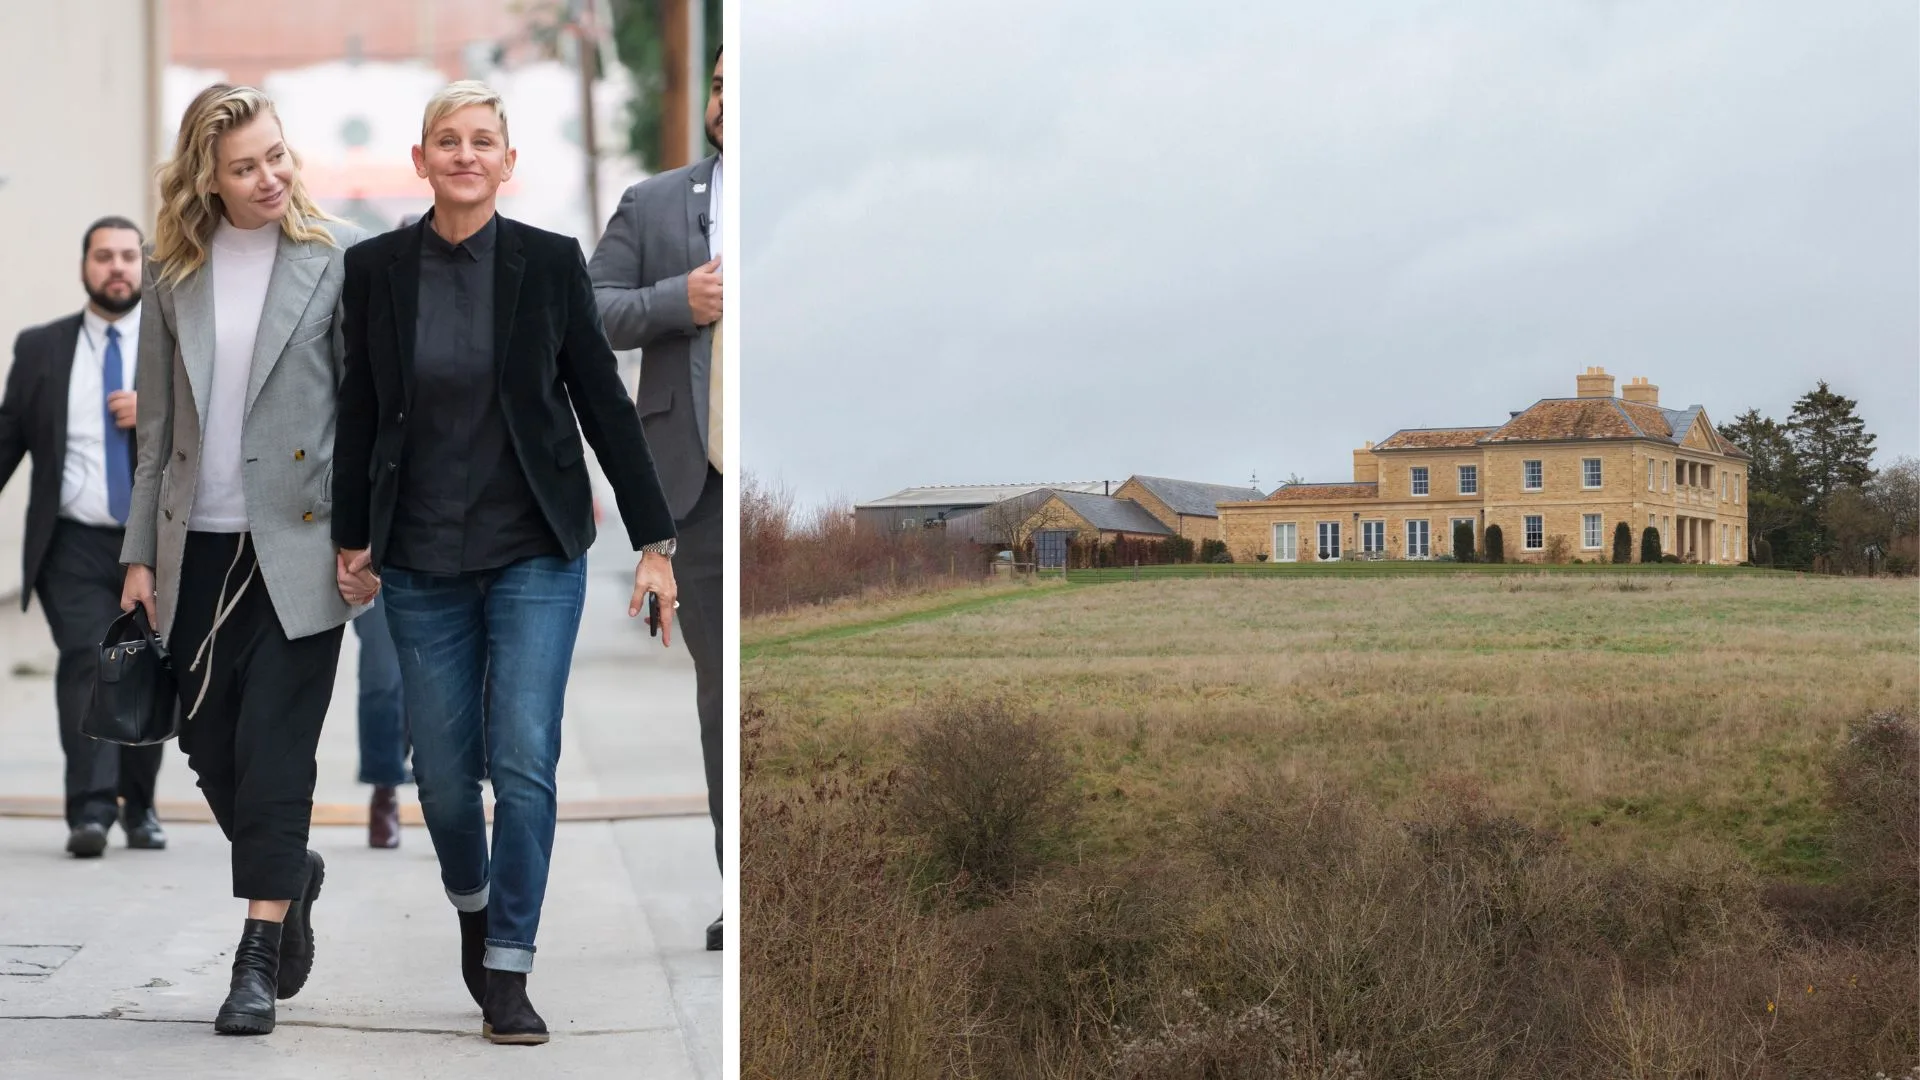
(246, 38)
(76, 142)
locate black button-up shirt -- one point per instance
(464, 503)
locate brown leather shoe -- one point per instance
(383, 819)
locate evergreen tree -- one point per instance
(1832, 449)
(1463, 541)
(1496, 545)
(1650, 545)
(1622, 543)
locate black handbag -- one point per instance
(136, 701)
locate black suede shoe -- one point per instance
(296, 943)
(473, 950)
(508, 1016)
(143, 830)
(87, 840)
(248, 1009)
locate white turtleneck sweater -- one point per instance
(242, 264)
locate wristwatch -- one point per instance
(661, 547)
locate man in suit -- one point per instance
(657, 277)
(70, 403)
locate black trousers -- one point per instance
(253, 737)
(698, 572)
(79, 589)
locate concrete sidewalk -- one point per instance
(115, 966)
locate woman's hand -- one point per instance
(138, 589)
(655, 575)
(353, 574)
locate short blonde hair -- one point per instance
(458, 95)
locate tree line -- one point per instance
(1815, 500)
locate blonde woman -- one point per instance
(228, 544)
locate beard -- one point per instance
(713, 135)
(107, 303)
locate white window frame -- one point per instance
(1598, 525)
(1724, 531)
(1469, 479)
(1666, 476)
(1528, 469)
(1592, 466)
(1425, 549)
(1666, 534)
(1372, 531)
(1320, 541)
(1650, 472)
(1420, 480)
(1530, 532)
(1292, 551)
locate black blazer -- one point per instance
(554, 365)
(33, 420)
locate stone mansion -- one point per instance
(1569, 468)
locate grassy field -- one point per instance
(1582, 824)
(1625, 710)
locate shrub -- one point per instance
(1874, 791)
(1178, 549)
(987, 789)
(1496, 545)
(1649, 545)
(1763, 552)
(1557, 549)
(1211, 550)
(1463, 541)
(1670, 559)
(1622, 543)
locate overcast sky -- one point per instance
(1009, 242)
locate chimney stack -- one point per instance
(1595, 382)
(1642, 391)
(1366, 467)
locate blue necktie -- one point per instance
(119, 457)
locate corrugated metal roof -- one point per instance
(973, 494)
(1193, 498)
(1109, 514)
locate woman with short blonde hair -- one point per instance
(228, 549)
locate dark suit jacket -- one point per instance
(553, 363)
(33, 420)
(653, 241)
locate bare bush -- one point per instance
(987, 788)
(1874, 792)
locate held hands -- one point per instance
(121, 403)
(703, 293)
(655, 575)
(353, 573)
(139, 590)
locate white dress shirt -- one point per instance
(716, 232)
(83, 476)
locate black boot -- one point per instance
(296, 942)
(473, 949)
(248, 1009)
(508, 1016)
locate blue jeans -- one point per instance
(383, 712)
(484, 659)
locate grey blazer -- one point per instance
(286, 438)
(653, 241)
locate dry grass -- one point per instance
(1499, 828)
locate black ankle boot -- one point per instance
(296, 940)
(248, 1009)
(509, 1016)
(473, 949)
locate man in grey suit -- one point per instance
(656, 275)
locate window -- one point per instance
(1725, 530)
(1723, 487)
(1666, 534)
(1666, 473)
(1649, 474)
(1419, 540)
(1286, 542)
(1373, 537)
(1469, 479)
(1534, 478)
(1590, 472)
(1736, 486)
(1590, 530)
(1329, 540)
(1419, 479)
(1536, 532)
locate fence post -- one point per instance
(893, 578)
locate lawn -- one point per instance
(1624, 710)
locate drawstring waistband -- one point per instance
(222, 608)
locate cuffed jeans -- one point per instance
(484, 659)
(383, 713)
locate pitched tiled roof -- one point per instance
(1193, 498)
(1109, 514)
(973, 494)
(1434, 438)
(1569, 418)
(1324, 492)
(1652, 421)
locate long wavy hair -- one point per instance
(190, 204)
